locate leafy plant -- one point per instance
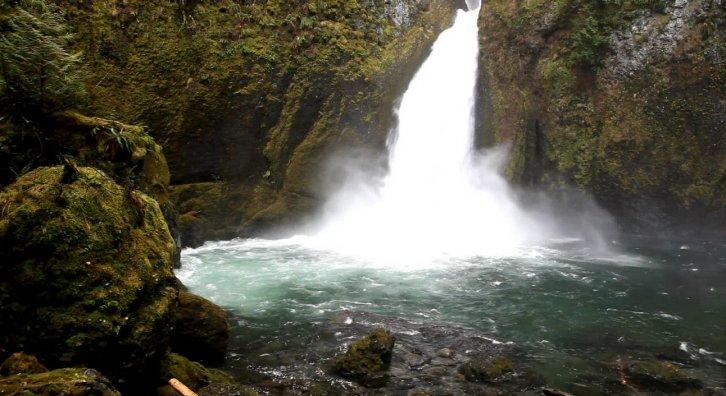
(112, 139)
(37, 68)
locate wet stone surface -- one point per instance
(427, 359)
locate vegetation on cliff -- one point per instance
(620, 98)
(38, 71)
(258, 94)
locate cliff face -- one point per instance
(622, 99)
(248, 98)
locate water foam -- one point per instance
(440, 198)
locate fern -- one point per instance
(37, 68)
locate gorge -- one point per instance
(362, 197)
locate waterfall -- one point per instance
(440, 197)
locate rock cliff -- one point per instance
(250, 98)
(623, 99)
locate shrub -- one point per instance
(38, 71)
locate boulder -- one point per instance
(659, 376)
(368, 359)
(85, 273)
(492, 370)
(20, 363)
(192, 374)
(66, 382)
(227, 390)
(201, 329)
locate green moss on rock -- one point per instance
(492, 370)
(192, 374)
(254, 95)
(85, 273)
(621, 99)
(66, 382)
(21, 363)
(201, 329)
(660, 376)
(368, 359)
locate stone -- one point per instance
(368, 359)
(660, 376)
(86, 274)
(447, 353)
(227, 390)
(21, 363)
(201, 329)
(65, 382)
(192, 374)
(493, 370)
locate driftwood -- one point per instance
(181, 388)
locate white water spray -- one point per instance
(440, 198)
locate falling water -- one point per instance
(440, 239)
(440, 198)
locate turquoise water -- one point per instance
(574, 312)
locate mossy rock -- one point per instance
(66, 382)
(661, 376)
(201, 330)
(368, 359)
(607, 97)
(227, 390)
(192, 374)
(85, 272)
(21, 363)
(492, 370)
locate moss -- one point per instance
(496, 369)
(87, 272)
(201, 329)
(20, 363)
(367, 359)
(68, 381)
(656, 375)
(248, 89)
(191, 374)
(642, 144)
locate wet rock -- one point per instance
(630, 62)
(192, 374)
(66, 382)
(20, 363)
(554, 392)
(659, 376)
(86, 276)
(368, 359)
(201, 329)
(445, 353)
(416, 364)
(491, 370)
(227, 390)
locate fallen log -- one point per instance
(181, 388)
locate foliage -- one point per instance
(38, 72)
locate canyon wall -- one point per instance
(249, 99)
(622, 99)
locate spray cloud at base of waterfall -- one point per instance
(440, 198)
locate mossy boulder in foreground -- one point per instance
(66, 382)
(21, 363)
(201, 329)
(197, 378)
(368, 359)
(85, 273)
